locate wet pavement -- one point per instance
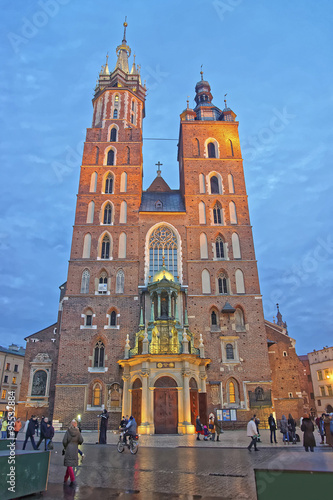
(200, 472)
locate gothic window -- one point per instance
(113, 134)
(109, 184)
(113, 318)
(240, 287)
(97, 155)
(202, 189)
(205, 279)
(214, 185)
(90, 212)
(203, 246)
(110, 159)
(195, 147)
(232, 213)
(229, 349)
(123, 182)
(105, 250)
(115, 114)
(163, 243)
(219, 247)
(202, 213)
(128, 155)
(213, 318)
(39, 383)
(122, 246)
(116, 100)
(222, 284)
(236, 246)
(231, 183)
(103, 283)
(99, 355)
(86, 246)
(239, 320)
(123, 213)
(120, 281)
(85, 281)
(231, 392)
(211, 150)
(88, 318)
(93, 182)
(97, 395)
(107, 218)
(217, 213)
(231, 148)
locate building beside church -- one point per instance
(11, 368)
(162, 314)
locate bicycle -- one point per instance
(132, 444)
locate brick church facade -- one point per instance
(162, 315)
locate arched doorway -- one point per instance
(136, 400)
(194, 400)
(165, 406)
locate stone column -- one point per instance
(169, 304)
(187, 407)
(144, 401)
(159, 312)
(126, 410)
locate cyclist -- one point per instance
(130, 429)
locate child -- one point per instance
(206, 433)
(49, 433)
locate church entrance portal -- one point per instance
(165, 406)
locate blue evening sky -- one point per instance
(273, 59)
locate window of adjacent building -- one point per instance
(217, 213)
(14, 380)
(99, 355)
(103, 283)
(107, 217)
(105, 250)
(232, 392)
(163, 243)
(319, 402)
(3, 394)
(7, 366)
(327, 374)
(309, 378)
(6, 379)
(120, 281)
(222, 284)
(109, 184)
(110, 157)
(85, 280)
(329, 389)
(219, 247)
(15, 368)
(311, 395)
(229, 349)
(113, 135)
(97, 395)
(322, 390)
(320, 375)
(203, 246)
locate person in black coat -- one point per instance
(31, 432)
(198, 427)
(49, 433)
(308, 438)
(104, 427)
(292, 428)
(272, 427)
(43, 426)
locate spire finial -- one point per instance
(158, 164)
(225, 101)
(188, 102)
(277, 305)
(107, 58)
(125, 26)
(201, 72)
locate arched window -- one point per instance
(116, 100)
(103, 283)
(222, 283)
(239, 320)
(128, 155)
(96, 155)
(113, 318)
(240, 287)
(113, 134)
(123, 182)
(88, 318)
(90, 212)
(99, 355)
(217, 213)
(202, 189)
(120, 281)
(97, 395)
(107, 217)
(109, 184)
(122, 246)
(203, 246)
(231, 392)
(232, 213)
(105, 250)
(213, 318)
(93, 182)
(195, 147)
(202, 213)
(85, 281)
(110, 159)
(163, 242)
(115, 114)
(231, 148)
(214, 185)
(219, 247)
(123, 213)
(231, 183)
(205, 279)
(229, 349)
(211, 150)
(236, 246)
(86, 246)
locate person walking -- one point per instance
(257, 422)
(272, 428)
(327, 424)
(252, 433)
(104, 427)
(49, 433)
(4, 426)
(17, 426)
(211, 426)
(71, 440)
(292, 428)
(31, 429)
(308, 437)
(43, 426)
(321, 427)
(218, 428)
(284, 429)
(198, 427)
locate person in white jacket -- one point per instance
(252, 433)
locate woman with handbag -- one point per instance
(72, 439)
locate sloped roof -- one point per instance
(159, 185)
(170, 201)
